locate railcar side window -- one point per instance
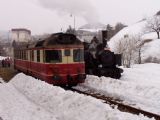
(53, 56)
(24, 55)
(78, 55)
(32, 55)
(38, 55)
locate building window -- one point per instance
(38, 55)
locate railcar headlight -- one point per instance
(55, 70)
(79, 70)
(81, 76)
(56, 77)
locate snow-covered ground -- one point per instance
(1, 57)
(25, 98)
(138, 86)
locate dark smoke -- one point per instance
(82, 8)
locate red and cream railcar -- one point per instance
(58, 60)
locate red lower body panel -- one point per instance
(56, 74)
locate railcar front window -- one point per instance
(78, 55)
(53, 56)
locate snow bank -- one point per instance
(139, 86)
(65, 105)
(1, 80)
(15, 106)
(1, 57)
(53, 103)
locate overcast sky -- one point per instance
(48, 16)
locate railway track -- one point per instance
(121, 106)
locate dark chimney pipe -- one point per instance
(104, 37)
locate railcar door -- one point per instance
(67, 60)
(67, 56)
(28, 61)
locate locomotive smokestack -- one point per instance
(104, 38)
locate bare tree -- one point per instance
(119, 26)
(110, 30)
(114, 30)
(130, 48)
(153, 24)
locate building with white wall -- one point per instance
(87, 36)
(20, 35)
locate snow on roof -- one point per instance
(91, 30)
(25, 98)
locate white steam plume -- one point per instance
(82, 8)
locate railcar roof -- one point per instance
(58, 39)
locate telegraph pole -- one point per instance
(74, 21)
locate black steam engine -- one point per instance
(100, 61)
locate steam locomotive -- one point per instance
(100, 61)
(104, 64)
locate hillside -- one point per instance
(132, 30)
(150, 50)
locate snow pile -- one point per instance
(144, 74)
(139, 86)
(15, 106)
(1, 80)
(65, 105)
(25, 98)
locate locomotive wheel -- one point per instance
(110, 72)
